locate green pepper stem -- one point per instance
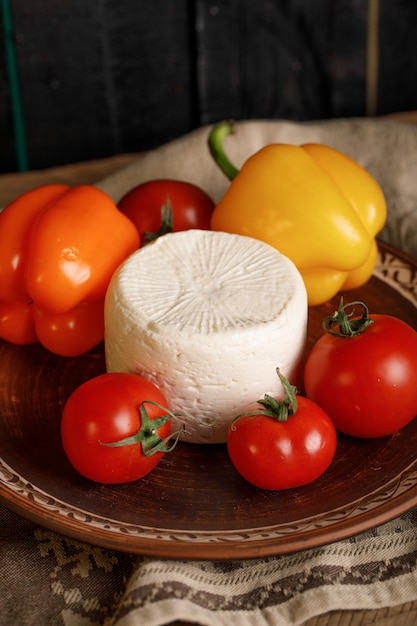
(215, 142)
(340, 323)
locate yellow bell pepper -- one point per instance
(314, 204)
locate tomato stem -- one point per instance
(166, 223)
(215, 142)
(147, 435)
(340, 323)
(281, 409)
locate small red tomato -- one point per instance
(289, 443)
(364, 374)
(117, 408)
(161, 206)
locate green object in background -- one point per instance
(12, 70)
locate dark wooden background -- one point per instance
(110, 76)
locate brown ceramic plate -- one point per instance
(194, 505)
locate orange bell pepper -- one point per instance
(15, 223)
(59, 247)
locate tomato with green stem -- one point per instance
(363, 371)
(162, 206)
(288, 442)
(115, 428)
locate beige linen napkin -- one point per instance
(373, 570)
(386, 148)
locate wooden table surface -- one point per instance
(11, 185)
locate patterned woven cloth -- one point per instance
(46, 578)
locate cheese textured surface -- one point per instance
(208, 317)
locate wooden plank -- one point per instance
(102, 78)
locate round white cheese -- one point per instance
(208, 317)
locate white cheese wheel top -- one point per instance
(208, 317)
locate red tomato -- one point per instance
(366, 383)
(105, 410)
(275, 455)
(146, 204)
(71, 333)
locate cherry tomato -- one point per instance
(148, 207)
(366, 382)
(107, 410)
(273, 454)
